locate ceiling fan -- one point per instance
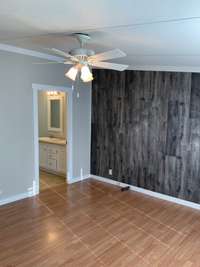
(83, 59)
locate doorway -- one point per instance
(52, 135)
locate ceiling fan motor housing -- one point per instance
(81, 52)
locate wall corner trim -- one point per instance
(16, 198)
(148, 192)
(78, 179)
(28, 52)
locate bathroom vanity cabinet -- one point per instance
(52, 156)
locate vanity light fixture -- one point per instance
(52, 93)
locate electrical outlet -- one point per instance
(110, 171)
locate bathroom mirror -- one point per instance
(55, 112)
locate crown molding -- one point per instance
(32, 53)
(165, 68)
(28, 52)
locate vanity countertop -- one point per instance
(52, 140)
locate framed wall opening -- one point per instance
(69, 130)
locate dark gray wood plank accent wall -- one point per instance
(146, 128)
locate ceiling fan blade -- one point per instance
(60, 53)
(108, 65)
(50, 62)
(68, 62)
(115, 53)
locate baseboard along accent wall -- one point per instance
(149, 193)
(146, 128)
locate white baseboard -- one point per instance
(34, 191)
(149, 193)
(179, 201)
(78, 179)
(16, 197)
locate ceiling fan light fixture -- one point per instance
(86, 74)
(72, 73)
(83, 59)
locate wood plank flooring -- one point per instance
(94, 224)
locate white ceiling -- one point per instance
(153, 33)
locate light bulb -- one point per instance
(86, 74)
(72, 72)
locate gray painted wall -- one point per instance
(16, 121)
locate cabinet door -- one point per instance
(43, 155)
(61, 167)
(52, 164)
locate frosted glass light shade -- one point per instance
(72, 72)
(86, 74)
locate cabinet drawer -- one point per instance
(52, 150)
(52, 156)
(52, 164)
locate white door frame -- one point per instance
(69, 158)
